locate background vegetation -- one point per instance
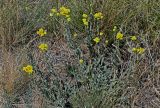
(111, 74)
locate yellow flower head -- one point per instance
(81, 61)
(119, 36)
(64, 11)
(41, 32)
(98, 15)
(97, 40)
(43, 47)
(134, 50)
(85, 15)
(28, 69)
(69, 19)
(85, 22)
(133, 38)
(53, 10)
(101, 33)
(139, 50)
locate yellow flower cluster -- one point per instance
(53, 11)
(81, 61)
(133, 38)
(64, 11)
(96, 40)
(43, 47)
(85, 19)
(28, 69)
(119, 36)
(101, 33)
(41, 32)
(85, 16)
(98, 15)
(139, 50)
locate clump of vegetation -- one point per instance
(80, 54)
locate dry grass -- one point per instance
(134, 81)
